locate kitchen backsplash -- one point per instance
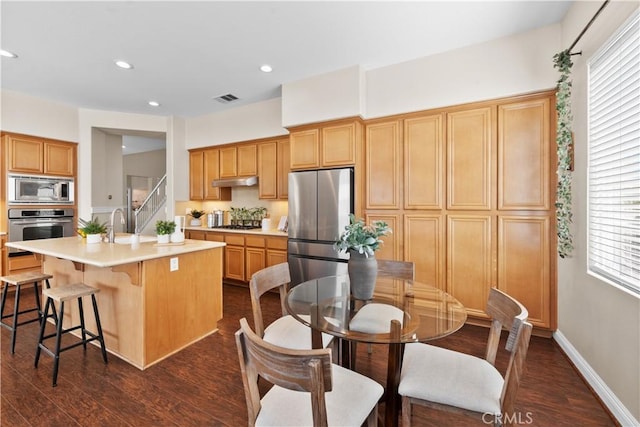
(241, 197)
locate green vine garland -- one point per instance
(564, 142)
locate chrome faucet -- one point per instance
(112, 234)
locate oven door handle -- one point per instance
(39, 221)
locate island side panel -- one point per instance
(120, 304)
(182, 306)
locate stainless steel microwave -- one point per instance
(37, 189)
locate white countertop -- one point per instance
(258, 231)
(109, 254)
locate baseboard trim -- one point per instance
(610, 400)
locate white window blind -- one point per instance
(614, 159)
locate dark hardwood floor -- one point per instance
(201, 385)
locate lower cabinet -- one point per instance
(245, 254)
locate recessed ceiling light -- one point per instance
(154, 103)
(124, 64)
(266, 68)
(7, 54)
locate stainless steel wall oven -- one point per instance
(32, 224)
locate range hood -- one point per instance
(245, 181)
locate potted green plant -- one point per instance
(92, 229)
(195, 215)
(361, 241)
(164, 230)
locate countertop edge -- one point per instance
(258, 231)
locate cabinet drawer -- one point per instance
(256, 242)
(22, 262)
(213, 237)
(234, 240)
(276, 243)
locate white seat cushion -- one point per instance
(375, 318)
(443, 376)
(352, 398)
(287, 332)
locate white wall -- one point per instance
(503, 67)
(329, 96)
(39, 117)
(149, 163)
(598, 323)
(254, 121)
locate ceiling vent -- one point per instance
(225, 99)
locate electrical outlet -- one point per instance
(173, 264)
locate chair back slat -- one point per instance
(276, 276)
(516, 368)
(402, 269)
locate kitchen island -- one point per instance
(154, 299)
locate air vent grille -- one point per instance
(225, 99)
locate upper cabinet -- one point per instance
(32, 155)
(204, 167)
(332, 144)
(238, 160)
(273, 169)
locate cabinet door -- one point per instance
(469, 261)
(59, 158)
(391, 248)
(470, 162)
(423, 162)
(212, 171)
(284, 167)
(424, 244)
(26, 155)
(383, 172)
(234, 262)
(275, 257)
(228, 162)
(523, 155)
(524, 251)
(339, 145)
(247, 160)
(305, 149)
(268, 170)
(196, 173)
(255, 259)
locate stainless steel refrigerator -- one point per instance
(319, 206)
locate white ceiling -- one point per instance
(187, 53)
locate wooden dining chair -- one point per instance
(375, 317)
(307, 388)
(448, 380)
(285, 331)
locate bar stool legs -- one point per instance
(60, 295)
(18, 280)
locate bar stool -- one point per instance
(60, 295)
(18, 280)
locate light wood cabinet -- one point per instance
(255, 255)
(273, 169)
(234, 263)
(383, 165)
(333, 144)
(284, 167)
(203, 169)
(470, 159)
(32, 155)
(238, 160)
(468, 191)
(276, 250)
(247, 160)
(424, 162)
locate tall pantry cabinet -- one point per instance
(468, 192)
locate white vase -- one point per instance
(94, 238)
(164, 238)
(195, 222)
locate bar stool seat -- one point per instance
(60, 295)
(17, 280)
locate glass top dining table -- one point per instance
(401, 311)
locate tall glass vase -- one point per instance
(363, 272)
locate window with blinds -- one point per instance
(614, 159)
